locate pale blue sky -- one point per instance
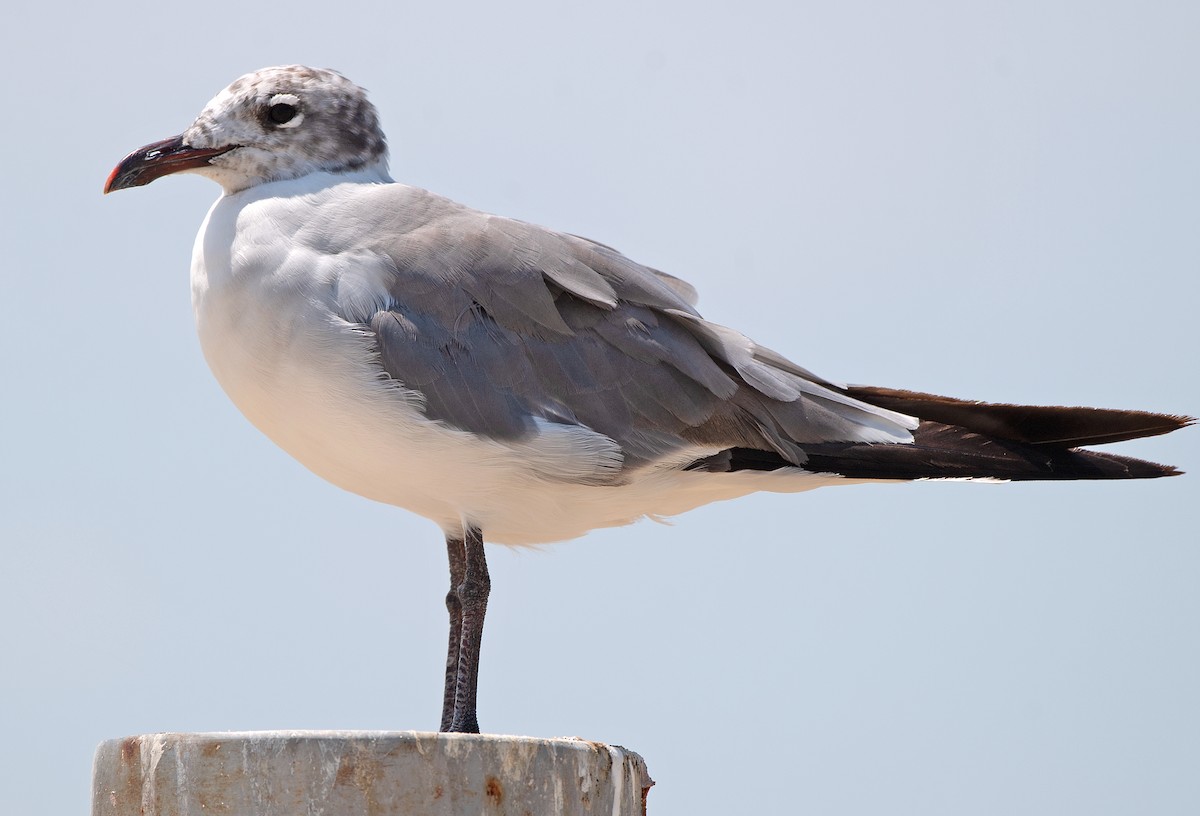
(996, 203)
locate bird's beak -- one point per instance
(145, 164)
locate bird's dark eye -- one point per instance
(281, 113)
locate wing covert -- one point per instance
(502, 325)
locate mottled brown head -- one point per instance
(271, 125)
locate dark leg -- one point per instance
(469, 598)
(456, 550)
(472, 595)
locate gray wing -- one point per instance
(500, 324)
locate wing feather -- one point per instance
(503, 327)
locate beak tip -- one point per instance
(122, 178)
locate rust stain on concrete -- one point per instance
(494, 790)
(131, 750)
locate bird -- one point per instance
(518, 384)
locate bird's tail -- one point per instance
(977, 440)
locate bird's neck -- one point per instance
(374, 173)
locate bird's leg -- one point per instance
(472, 595)
(456, 550)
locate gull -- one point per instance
(510, 381)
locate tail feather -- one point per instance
(1037, 425)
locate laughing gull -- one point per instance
(509, 381)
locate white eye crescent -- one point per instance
(283, 111)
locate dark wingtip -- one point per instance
(943, 451)
(1133, 468)
(1053, 426)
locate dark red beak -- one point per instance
(145, 164)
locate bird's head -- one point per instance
(270, 125)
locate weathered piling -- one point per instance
(364, 773)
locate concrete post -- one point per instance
(364, 773)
